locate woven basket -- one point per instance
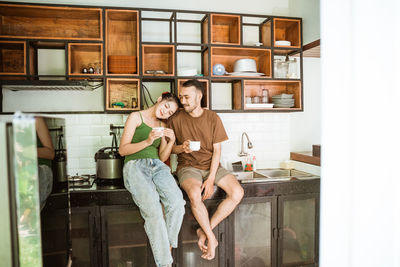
(122, 64)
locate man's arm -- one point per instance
(208, 185)
(177, 149)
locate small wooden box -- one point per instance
(316, 151)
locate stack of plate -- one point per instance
(283, 101)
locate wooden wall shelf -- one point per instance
(288, 30)
(255, 87)
(122, 42)
(123, 90)
(85, 55)
(150, 45)
(12, 57)
(26, 21)
(225, 29)
(158, 57)
(228, 55)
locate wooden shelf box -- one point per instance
(48, 22)
(265, 31)
(228, 55)
(85, 55)
(255, 87)
(287, 30)
(123, 90)
(158, 57)
(122, 42)
(225, 29)
(205, 100)
(12, 57)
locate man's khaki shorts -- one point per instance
(200, 175)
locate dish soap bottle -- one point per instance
(254, 163)
(248, 167)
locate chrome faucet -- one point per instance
(249, 145)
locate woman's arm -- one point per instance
(47, 151)
(125, 146)
(167, 143)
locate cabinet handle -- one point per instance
(221, 236)
(275, 233)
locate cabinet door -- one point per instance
(84, 237)
(254, 221)
(124, 240)
(298, 230)
(189, 254)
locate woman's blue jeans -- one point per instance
(149, 181)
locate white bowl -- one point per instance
(245, 65)
(283, 43)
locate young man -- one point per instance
(198, 171)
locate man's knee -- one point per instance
(194, 195)
(236, 193)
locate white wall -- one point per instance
(360, 200)
(305, 127)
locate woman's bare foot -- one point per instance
(212, 243)
(202, 240)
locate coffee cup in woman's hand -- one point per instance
(159, 130)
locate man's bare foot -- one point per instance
(202, 240)
(212, 243)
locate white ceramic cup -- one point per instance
(194, 145)
(159, 129)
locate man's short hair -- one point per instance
(198, 85)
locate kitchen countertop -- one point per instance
(306, 157)
(101, 194)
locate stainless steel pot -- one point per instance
(60, 162)
(60, 166)
(109, 162)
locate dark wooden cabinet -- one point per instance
(276, 224)
(276, 231)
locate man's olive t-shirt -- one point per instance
(208, 129)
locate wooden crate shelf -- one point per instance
(265, 32)
(85, 55)
(12, 57)
(205, 100)
(225, 29)
(254, 88)
(158, 57)
(123, 90)
(287, 30)
(122, 42)
(47, 22)
(228, 55)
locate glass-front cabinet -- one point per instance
(84, 236)
(276, 231)
(298, 222)
(124, 237)
(253, 232)
(189, 253)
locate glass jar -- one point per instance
(281, 68)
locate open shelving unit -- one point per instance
(129, 46)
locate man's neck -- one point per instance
(197, 112)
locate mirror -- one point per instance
(53, 191)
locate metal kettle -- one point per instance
(60, 162)
(109, 163)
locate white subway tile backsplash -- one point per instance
(91, 141)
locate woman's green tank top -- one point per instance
(142, 133)
(40, 160)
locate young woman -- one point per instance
(149, 180)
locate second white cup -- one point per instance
(194, 145)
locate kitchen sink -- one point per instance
(271, 175)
